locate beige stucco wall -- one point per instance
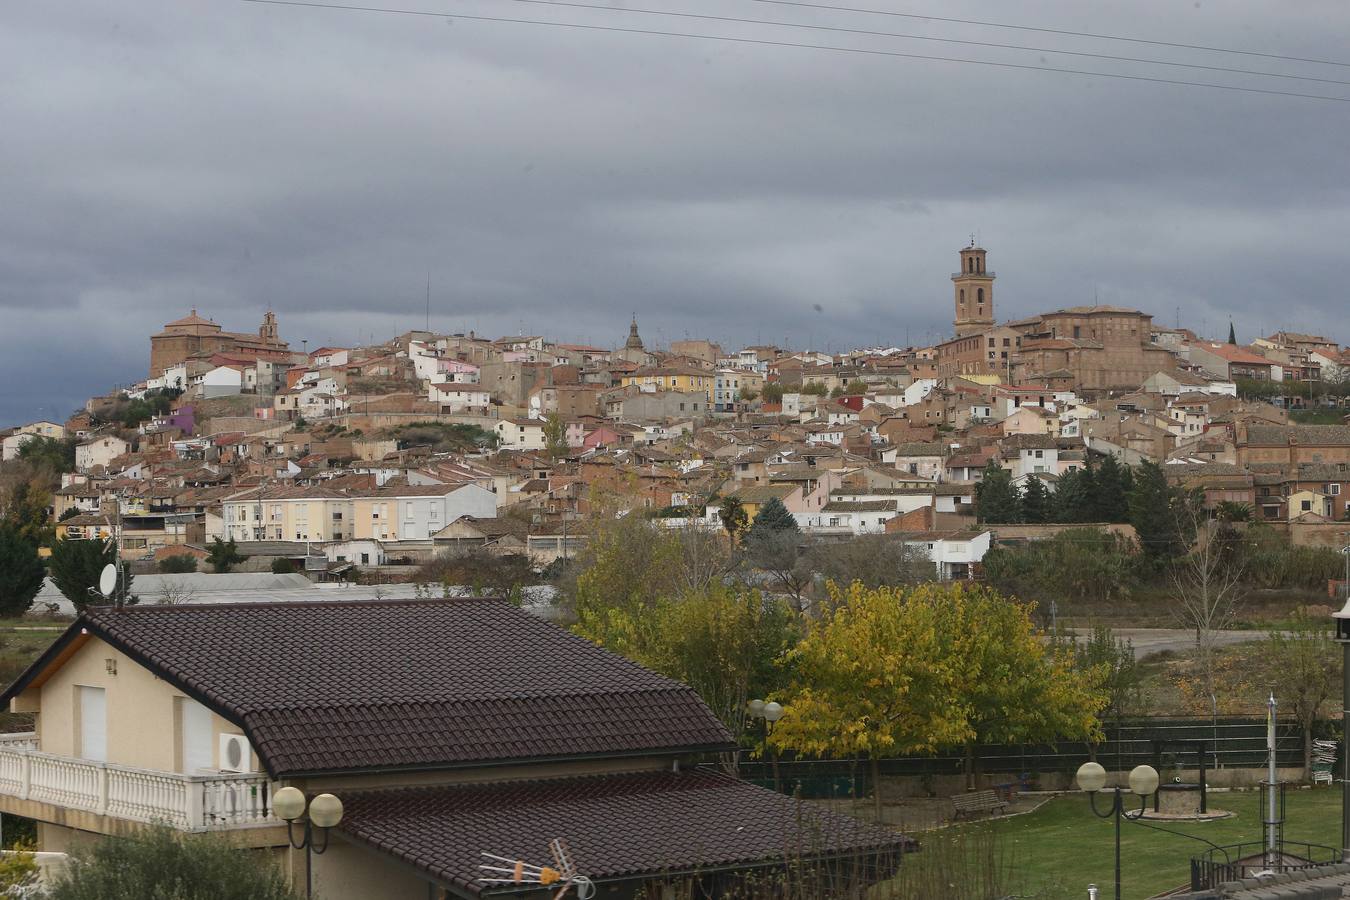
(347, 871)
(142, 716)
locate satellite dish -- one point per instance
(107, 580)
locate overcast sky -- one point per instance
(234, 156)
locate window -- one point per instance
(1305, 505)
(979, 295)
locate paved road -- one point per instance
(1155, 640)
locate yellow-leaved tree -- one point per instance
(905, 671)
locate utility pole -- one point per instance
(1342, 619)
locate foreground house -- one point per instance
(447, 728)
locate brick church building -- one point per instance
(193, 334)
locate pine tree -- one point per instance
(1112, 503)
(997, 500)
(1037, 502)
(1153, 512)
(773, 517)
(77, 565)
(21, 573)
(1232, 335)
(1076, 496)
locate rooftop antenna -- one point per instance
(428, 301)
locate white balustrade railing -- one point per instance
(185, 802)
(19, 740)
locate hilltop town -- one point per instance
(341, 459)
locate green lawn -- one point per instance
(1059, 849)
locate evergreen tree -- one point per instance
(1112, 503)
(1154, 507)
(1076, 496)
(224, 555)
(1037, 502)
(997, 500)
(21, 573)
(773, 518)
(1232, 335)
(77, 565)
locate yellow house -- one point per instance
(673, 378)
(290, 513)
(410, 714)
(753, 498)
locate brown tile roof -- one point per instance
(341, 686)
(617, 827)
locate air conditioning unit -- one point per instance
(235, 755)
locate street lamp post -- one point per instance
(1143, 783)
(769, 713)
(325, 811)
(1343, 638)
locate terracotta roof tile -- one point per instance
(616, 826)
(418, 684)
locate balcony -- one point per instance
(184, 802)
(972, 275)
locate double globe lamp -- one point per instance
(325, 812)
(1143, 783)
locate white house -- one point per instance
(408, 513)
(1027, 454)
(954, 554)
(25, 433)
(521, 434)
(918, 391)
(851, 516)
(456, 397)
(222, 381)
(99, 452)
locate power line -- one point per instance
(802, 46)
(922, 37)
(1060, 31)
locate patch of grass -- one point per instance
(1060, 848)
(1318, 416)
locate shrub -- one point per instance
(282, 566)
(178, 564)
(160, 863)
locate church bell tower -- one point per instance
(974, 286)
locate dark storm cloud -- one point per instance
(236, 156)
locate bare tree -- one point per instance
(176, 593)
(1304, 672)
(876, 560)
(1208, 584)
(703, 557)
(786, 566)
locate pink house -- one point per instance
(601, 436)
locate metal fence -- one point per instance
(1232, 742)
